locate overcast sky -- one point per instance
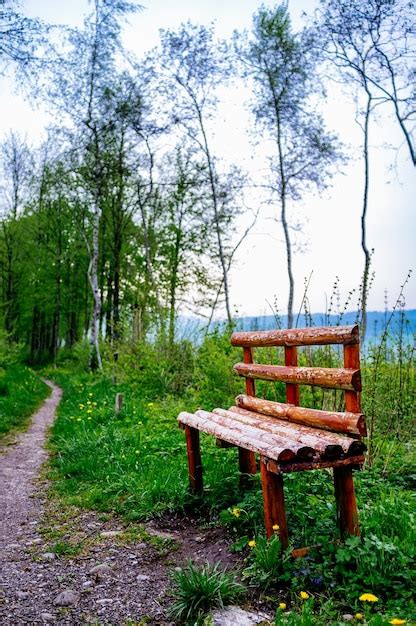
(330, 236)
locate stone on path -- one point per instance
(100, 569)
(67, 598)
(236, 616)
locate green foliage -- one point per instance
(21, 392)
(197, 590)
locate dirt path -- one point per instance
(68, 566)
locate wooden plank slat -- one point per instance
(342, 422)
(333, 378)
(231, 430)
(328, 444)
(297, 466)
(313, 336)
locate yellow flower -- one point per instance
(81, 406)
(252, 543)
(397, 620)
(304, 595)
(276, 527)
(358, 616)
(368, 597)
(235, 511)
(282, 605)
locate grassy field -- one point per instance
(134, 464)
(21, 393)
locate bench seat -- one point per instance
(273, 438)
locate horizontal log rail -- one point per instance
(314, 336)
(347, 422)
(333, 378)
(295, 466)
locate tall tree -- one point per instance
(82, 87)
(281, 67)
(371, 45)
(194, 65)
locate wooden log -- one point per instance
(347, 512)
(328, 444)
(194, 459)
(240, 435)
(355, 462)
(352, 360)
(274, 504)
(118, 403)
(313, 336)
(247, 458)
(292, 391)
(252, 422)
(347, 422)
(333, 378)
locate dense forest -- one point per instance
(125, 215)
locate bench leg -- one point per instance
(194, 459)
(274, 503)
(347, 512)
(247, 465)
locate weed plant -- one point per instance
(198, 590)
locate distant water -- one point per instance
(402, 321)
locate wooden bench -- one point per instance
(287, 437)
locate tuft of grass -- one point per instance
(21, 393)
(199, 590)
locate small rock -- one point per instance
(178, 569)
(162, 535)
(347, 617)
(87, 583)
(199, 539)
(49, 556)
(13, 546)
(105, 601)
(101, 568)
(110, 533)
(37, 541)
(47, 617)
(142, 578)
(66, 598)
(22, 595)
(235, 616)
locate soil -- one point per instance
(48, 552)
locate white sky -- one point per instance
(331, 223)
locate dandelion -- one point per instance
(397, 620)
(368, 597)
(276, 527)
(304, 595)
(282, 606)
(359, 616)
(79, 419)
(81, 406)
(252, 543)
(235, 511)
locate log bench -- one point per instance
(285, 436)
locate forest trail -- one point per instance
(115, 573)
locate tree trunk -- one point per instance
(93, 278)
(367, 254)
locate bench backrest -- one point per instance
(348, 378)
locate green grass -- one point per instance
(21, 393)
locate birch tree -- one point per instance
(281, 68)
